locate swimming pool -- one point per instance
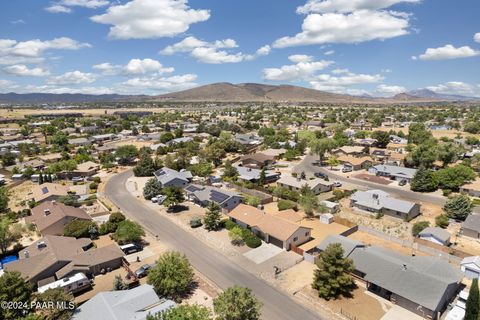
(7, 259)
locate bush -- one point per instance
(195, 222)
(79, 228)
(93, 186)
(128, 231)
(441, 221)
(97, 179)
(229, 224)
(286, 204)
(251, 240)
(236, 236)
(419, 226)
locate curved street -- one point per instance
(219, 269)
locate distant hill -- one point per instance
(244, 92)
(38, 98)
(426, 94)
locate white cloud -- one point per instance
(456, 87)
(91, 4)
(161, 84)
(23, 71)
(213, 52)
(345, 6)
(303, 70)
(476, 37)
(347, 79)
(13, 52)
(355, 27)
(56, 8)
(142, 19)
(390, 90)
(329, 53)
(447, 52)
(133, 67)
(73, 77)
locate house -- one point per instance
(331, 206)
(169, 177)
(79, 142)
(179, 140)
(84, 169)
(137, 303)
(472, 189)
(471, 226)
(253, 175)
(326, 218)
(271, 228)
(423, 285)
(48, 191)
(257, 160)
(397, 147)
(103, 137)
(393, 172)
(354, 151)
(50, 217)
(355, 163)
(276, 153)
(203, 195)
(296, 184)
(436, 235)
(57, 257)
(248, 140)
(367, 142)
(380, 202)
(471, 267)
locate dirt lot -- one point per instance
(372, 178)
(376, 241)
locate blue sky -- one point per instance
(379, 47)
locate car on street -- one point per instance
(337, 184)
(347, 169)
(402, 182)
(321, 175)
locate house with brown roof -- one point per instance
(50, 217)
(354, 151)
(48, 191)
(54, 257)
(85, 169)
(257, 160)
(355, 163)
(271, 228)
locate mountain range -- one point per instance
(243, 92)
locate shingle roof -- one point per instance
(396, 171)
(472, 222)
(48, 189)
(436, 232)
(56, 212)
(378, 199)
(253, 174)
(166, 175)
(299, 183)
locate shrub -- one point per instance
(236, 236)
(229, 224)
(418, 227)
(251, 240)
(286, 204)
(128, 231)
(195, 222)
(441, 221)
(79, 228)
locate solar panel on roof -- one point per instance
(44, 190)
(218, 196)
(193, 188)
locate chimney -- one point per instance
(404, 267)
(26, 254)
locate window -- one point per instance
(295, 239)
(306, 234)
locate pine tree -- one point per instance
(263, 177)
(424, 180)
(458, 207)
(332, 278)
(472, 307)
(213, 217)
(40, 178)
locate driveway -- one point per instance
(307, 166)
(219, 269)
(263, 253)
(398, 313)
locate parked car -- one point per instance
(402, 182)
(337, 184)
(130, 248)
(321, 175)
(347, 169)
(77, 179)
(154, 199)
(143, 271)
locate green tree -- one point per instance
(14, 288)
(213, 218)
(448, 153)
(126, 154)
(425, 180)
(183, 312)
(382, 137)
(308, 201)
(321, 146)
(172, 275)
(236, 236)
(128, 231)
(472, 307)
(7, 236)
(424, 154)
(59, 296)
(418, 133)
(237, 303)
(333, 161)
(458, 207)
(441, 221)
(418, 227)
(4, 199)
(263, 177)
(8, 159)
(453, 177)
(230, 173)
(79, 228)
(145, 166)
(119, 284)
(152, 188)
(174, 196)
(332, 277)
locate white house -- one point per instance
(436, 235)
(471, 267)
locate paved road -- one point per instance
(218, 268)
(309, 168)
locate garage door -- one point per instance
(470, 274)
(275, 241)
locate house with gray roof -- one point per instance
(136, 303)
(380, 202)
(471, 226)
(471, 267)
(253, 175)
(169, 177)
(436, 235)
(203, 195)
(421, 284)
(249, 140)
(296, 184)
(393, 172)
(179, 140)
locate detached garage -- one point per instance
(471, 267)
